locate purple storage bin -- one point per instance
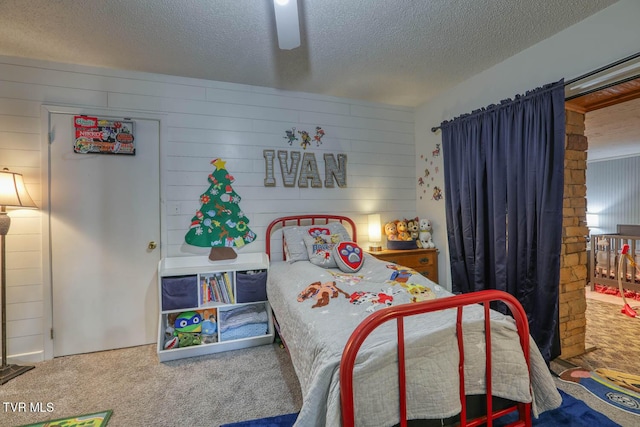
(179, 292)
(251, 287)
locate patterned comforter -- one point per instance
(318, 309)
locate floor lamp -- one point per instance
(13, 194)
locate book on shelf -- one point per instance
(204, 290)
(209, 289)
(227, 282)
(217, 287)
(217, 280)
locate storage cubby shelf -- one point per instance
(228, 292)
(180, 266)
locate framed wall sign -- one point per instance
(103, 136)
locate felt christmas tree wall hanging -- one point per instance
(220, 223)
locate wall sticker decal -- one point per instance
(431, 179)
(290, 136)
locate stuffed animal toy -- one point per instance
(403, 234)
(391, 231)
(425, 234)
(209, 329)
(602, 253)
(413, 227)
(187, 339)
(189, 321)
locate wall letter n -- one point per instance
(333, 170)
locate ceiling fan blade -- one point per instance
(287, 23)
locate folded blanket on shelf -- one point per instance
(245, 331)
(240, 316)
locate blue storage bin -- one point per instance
(251, 287)
(179, 292)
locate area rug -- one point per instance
(572, 412)
(613, 387)
(278, 421)
(97, 419)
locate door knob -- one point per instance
(152, 245)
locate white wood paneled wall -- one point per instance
(204, 120)
(612, 193)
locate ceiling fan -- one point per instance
(287, 24)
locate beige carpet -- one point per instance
(203, 391)
(257, 382)
(612, 339)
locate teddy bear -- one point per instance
(403, 234)
(413, 227)
(425, 234)
(391, 231)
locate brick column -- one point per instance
(573, 256)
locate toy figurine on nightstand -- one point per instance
(425, 234)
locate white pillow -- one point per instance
(319, 249)
(295, 248)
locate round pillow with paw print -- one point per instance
(349, 256)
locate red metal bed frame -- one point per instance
(399, 313)
(298, 220)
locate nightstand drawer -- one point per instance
(416, 261)
(430, 273)
(424, 261)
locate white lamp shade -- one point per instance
(13, 193)
(375, 228)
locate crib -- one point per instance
(605, 254)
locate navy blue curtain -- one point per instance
(504, 179)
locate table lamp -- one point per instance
(13, 194)
(375, 233)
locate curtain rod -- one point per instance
(606, 67)
(589, 74)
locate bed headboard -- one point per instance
(311, 219)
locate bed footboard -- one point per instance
(399, 313)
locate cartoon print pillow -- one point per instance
(319, 249)
(349, 256)
(296, 250)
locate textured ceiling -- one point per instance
(398, 52)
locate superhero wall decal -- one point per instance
(430, 180)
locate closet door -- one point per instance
(104, 216)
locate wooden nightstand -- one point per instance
(424, 261)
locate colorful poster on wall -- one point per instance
(103, 136)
